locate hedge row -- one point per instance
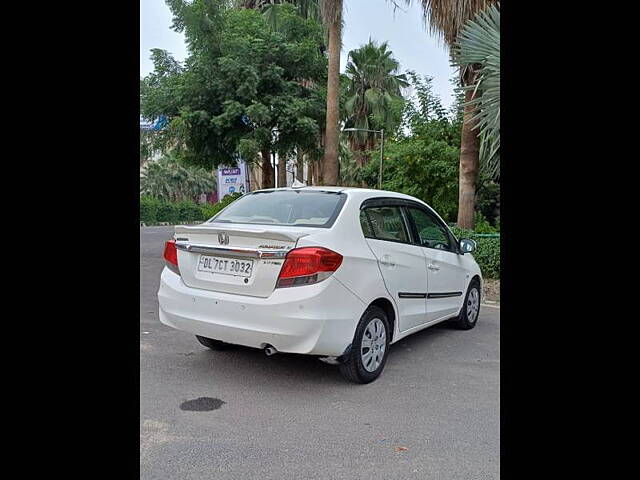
(153, 210)
(487, 253)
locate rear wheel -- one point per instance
(213, 344)
(470, 309)
(368, 355)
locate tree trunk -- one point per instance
(310, 162)
(331, 166)
(282, 171)
(358, 150)
(321, 178)
(314, 173)
(253, 178)
(469, 165)
(267, 169)
(300, 165)
(361, 156)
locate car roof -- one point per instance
(357, 194)
(365, 192)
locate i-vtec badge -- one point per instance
(223, 238)
(271, 246)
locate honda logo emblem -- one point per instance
(223, 238)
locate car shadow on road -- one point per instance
(417, 344)
(265, 372)
(297, 371)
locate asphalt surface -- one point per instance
(432, 414)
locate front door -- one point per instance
(445, 274)
(401, 263)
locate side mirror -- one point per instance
(467, 245)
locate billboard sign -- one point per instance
(232, 180)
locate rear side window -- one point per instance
(387, 224)
(284, 207)
(364, 223)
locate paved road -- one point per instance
(290, 416)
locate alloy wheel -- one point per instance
(473, 304)
(374, 343)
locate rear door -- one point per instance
(401, 263)
(445, 273)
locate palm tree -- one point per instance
(332, 17)
(446, 18)
(168, 179)
(479, 44)
(374, 86)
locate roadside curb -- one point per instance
(492, 305)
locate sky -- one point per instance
(405, 32)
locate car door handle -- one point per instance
(387, 261)
(431, 266)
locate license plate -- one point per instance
(225, 266)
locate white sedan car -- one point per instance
(339, 273)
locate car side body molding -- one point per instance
(411, 295)
(444, 294)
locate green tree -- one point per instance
(330, 11)
(374, 95)
(308, 9)
(271, 8)
(239, 90)
(422, 159)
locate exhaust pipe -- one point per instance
(270, 350)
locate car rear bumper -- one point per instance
(315, 319)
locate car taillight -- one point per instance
(307, 265)
(171, 256)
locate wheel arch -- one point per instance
(476, 277)
(387, 306)
(479, 279)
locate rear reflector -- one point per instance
(308, 265)
(171, 256)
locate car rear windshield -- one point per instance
(284, 207)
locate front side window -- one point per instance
(387, 223)
(284, 207)
(430, 233)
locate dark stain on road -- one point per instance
(201, 404)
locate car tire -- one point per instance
(359, 367)
(213, 344)
(470, 311)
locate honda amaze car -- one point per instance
(338, 273)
